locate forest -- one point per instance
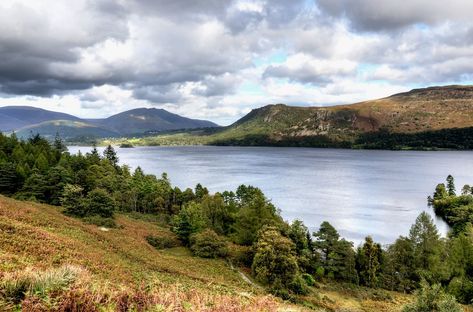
(245, 228)
(455, 139)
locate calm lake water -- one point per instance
(361, 192)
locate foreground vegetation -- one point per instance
(150, 229)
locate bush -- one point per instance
(208, 244)
(309, 279)
(162, 242)
(319, 273)
(433, 298)
(241, 255)
(461, 288)
(299, 286)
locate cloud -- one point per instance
(220, 58)
(373, 15)
(306, 69)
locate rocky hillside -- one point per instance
(416, 111)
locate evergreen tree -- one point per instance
(99, 202)
(59, 144)
(110, 154)
(326, 239)
(399, 269)
(200, 191)
(94, 156)
(35, 187)
(369, 262)
(440, 192)
(427, 248)
(72, 200)
(451, 186)
(9, 180)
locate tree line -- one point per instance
(243, 226)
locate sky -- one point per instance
(218, 59)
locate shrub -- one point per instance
(162, 242)
(241, 255)
(208, 244)
(298, 286)
(309, 279)
(433, 298)
(319, 273)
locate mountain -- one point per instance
(25, 120)
(67, 129)
(16, 117)
(427, 110)
(141, 120)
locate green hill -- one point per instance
(141, 120)
(16, 117)
(67, 129)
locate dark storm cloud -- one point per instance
(386, 15)
(158, 94)
(35, 40)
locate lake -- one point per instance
(360, 192)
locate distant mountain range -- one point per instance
(25, 120)
(421, 118)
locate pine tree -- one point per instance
(326, 239)
(110, 154)
(9, 180)
(59, 144)
(369, 257)
(451, 186)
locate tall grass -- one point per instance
(16, 286)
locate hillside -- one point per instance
(25, 120)
(141, 120)
(430, 118)
(16, 117)
(66, 128)
(113, 263)
(418, 111)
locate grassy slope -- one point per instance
(39, 237)
(66, 129)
